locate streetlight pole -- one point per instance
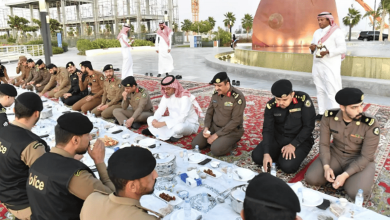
(44, 31)
(373, 26)
(350, 28)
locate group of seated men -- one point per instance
(53, 184)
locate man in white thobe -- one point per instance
(329, 48)
(127, 65)
(183, 110)
(163, 48)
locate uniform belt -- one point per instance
(16, 207)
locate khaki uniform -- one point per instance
(141, 107)
(61, 79)
(22, 78)
(224, 117)
(46, 76)
(352, 151)
(3, 75)
(96, 82)
(112, 96)
(101, 206)
(33, 74)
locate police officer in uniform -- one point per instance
(74, 94)
(7, 98)
(136, 180)
(3, 74)
(19, 149)
(224, 118)
(112, 94)
(21, 67)
(35, 75)
(289, 121)
(58, 184)
(139, 100)
(94, 82)
(31, 65)
(59, 82)
(349, 160)
(42, 82)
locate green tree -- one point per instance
(107, 29)
(352, 19)
(212, 22)
(143, 28)
(385, 7)
(54, 26)
(71, 32)
(229, 17)
(202, 27)
(37, 22)
(223, 36)
(374, 14)
(247, 23)
(175, 27)
(20, 24)
(186, 26)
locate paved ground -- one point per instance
(188, 62)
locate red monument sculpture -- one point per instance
(288, 22)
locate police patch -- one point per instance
(144, 95)
(239, 102)
(307, 103)
(268, 106)
(119, 85)
(5, 124)
(94, 80)
(101, 78)
(376, 131)
(38, 145)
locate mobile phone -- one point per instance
(324, 205)
(116, 132)
(66, 112)
(205, 161)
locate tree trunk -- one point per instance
(382, 25)
(388, 38)
(247, 34)
(187, 35)
(350, 30)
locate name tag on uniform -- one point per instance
(214, 101)
(228, 104)
(74, 78)
(94, 80)
(278, 114)
(295, 110)
(138, 98)
(357, 136)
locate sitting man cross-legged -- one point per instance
(348, 161)
(60, 79)
(289, 121)
(139, 100)
(137, 180)
(74, 94)
(224, 118)
(183, 112)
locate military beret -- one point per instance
(349, 96)
(8, 90)
(39, 62)
(219, 77)
(51, 66)
(31, 101)
(86, 64)
(69, 64)
(30, 60)
(75, 123)
(270, 191)
(108, 67)
(168, 80)
(131, 163)
(281, 88)
(129, 81)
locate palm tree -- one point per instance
(375, 14)
(247, 23)
(212, 22)
(229, 18)
(385, 6)
(352, 19)
(186, 26)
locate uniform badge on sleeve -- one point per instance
(144, 95)
(376, 131)
(308, 103)
(37, 145)
(239, 102)
(101, 78)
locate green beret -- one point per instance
(75, 123)
(349, 96)
(281, 88)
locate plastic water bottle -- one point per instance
(205, 203)
(124, 123)
(88, 113)
(300, 196)
(187, 209)
(157, 143)
(196, 149)
(273, 169)
(89, 90)
(359, 200)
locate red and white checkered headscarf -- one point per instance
(333, 27)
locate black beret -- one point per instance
(51, 66)
(75, 123)
(219, 77)
(271, 191)
(349, 96)
(131, 163)
(108, 67)
(30, 60)
(168, 80)
(31, 100)
(39, 62)
(8, 90)
(69, 64)
(129, 81)
(281, 88)
(86, 64)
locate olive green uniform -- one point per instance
(112, 96)
(61, 79)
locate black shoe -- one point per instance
(233, 82)
(116, 122)
(180, 77)
(237, 83)
(146, 132)
(146, 74)
(136, 125)
(159, 75)
(173, 139)
(177, 77)
(318, 117)
(151, 74)
(166, 74)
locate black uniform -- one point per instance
(293, 125)
(47, 189)
(75, 89)
(3, 117)
(14, 172)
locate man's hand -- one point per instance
(98, 152)
(129, 122)
(157, 51)
(158, 124)
(206, 133)
(24, 86)
(340, 180)
(323, 53)
(266, 160)
(103, 107)
(80, 75)
(32, 82)
(212, 138)
(288, 152)
(124, 95)
(66, 95)
(169, 50)
(313, 47)
(99, 106)
(40, 94)
(89, 98)
(55, 90)
(328, 173)
(38, 85)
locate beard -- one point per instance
(152, 190)
(356, 118)
(37, 118)
(82, 151)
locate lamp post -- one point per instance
(44, 31)
(373, 26)
(166, 18)
(350, 27)
(230, 22)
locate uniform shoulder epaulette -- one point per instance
(368, 120)
(271, 103)
(3, 110)
(331, 113)
(235, 95)
(215, 92)
(141, 90)
(38, 145)
(300, 97)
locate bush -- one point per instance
(84, 44)
(57, 50)
(53, 44)
(11, 40)
(223, 36)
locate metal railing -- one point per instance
(12, 53)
